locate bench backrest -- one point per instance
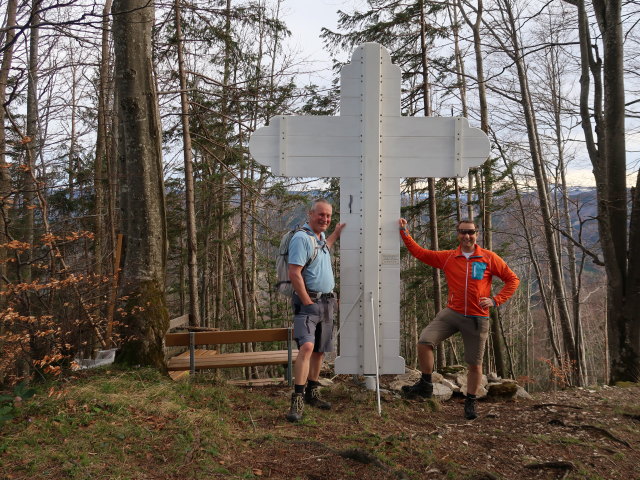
(228, 336)
(179, 322)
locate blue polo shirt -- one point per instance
(318, 276)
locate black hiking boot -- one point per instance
(297, 407)
(312, 397)
(470, 408)
(419, 389)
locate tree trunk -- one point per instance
(546, 302)
(221, 195)
(142, 188)
(5, 179)
(192, 239)
(608, 157)
(113, 174)
(622, 262)
(32, 139)
(485, 189)
(542, 184)
(433, 213)
(557, 108)
(414, 332)
(100, 166)
(71, 161)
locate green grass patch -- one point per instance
(90, 428)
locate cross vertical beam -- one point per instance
(371, 175)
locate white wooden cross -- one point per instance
(370, 147)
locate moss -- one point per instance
(452, 369)
(147, 321)
(502, 391)
(626, 384)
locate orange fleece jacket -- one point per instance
(468, 279)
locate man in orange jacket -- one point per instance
(469, 270)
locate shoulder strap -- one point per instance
(314, 243)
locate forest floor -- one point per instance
(112, 423)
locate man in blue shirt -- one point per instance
(313, 304)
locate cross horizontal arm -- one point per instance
(331, 147)
(438, 147)
(309, 146)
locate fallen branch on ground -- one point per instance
(601, 430)
(544, 405)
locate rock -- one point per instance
(522, 393)
(502, 391)
(481, 393)
(460, 379)
(325, 382)
(410, 377)
(442, 392)
(447, 383)
(492, 377)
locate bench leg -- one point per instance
(192, 353)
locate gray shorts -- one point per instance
(474, 331)
(314, 323)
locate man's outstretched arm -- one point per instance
(331, 239)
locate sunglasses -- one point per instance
(467, 232)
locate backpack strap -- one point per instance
(314, 242)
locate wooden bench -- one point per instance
(210, 359)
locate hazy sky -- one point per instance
(305, 18)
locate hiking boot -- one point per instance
(297, 407)
(419, 389)
(470, 408)
(312, 397)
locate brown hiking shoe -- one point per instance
(297, 407)
(312, 397)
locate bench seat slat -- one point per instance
(230, 360)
